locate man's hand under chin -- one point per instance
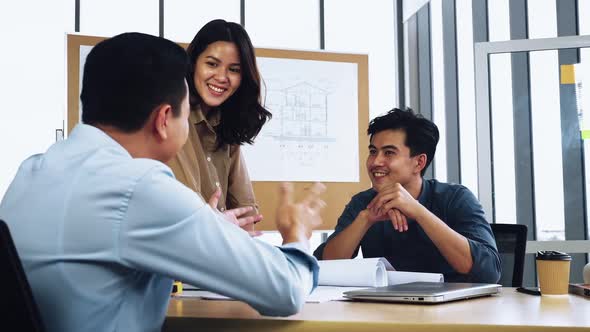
(395, 202)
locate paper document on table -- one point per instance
(320, 294)
(362, 272)
(329, 293)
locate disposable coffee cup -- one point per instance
(553, 270)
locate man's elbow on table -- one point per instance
(287, 303)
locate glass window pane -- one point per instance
(183, 18)
(546, 131)
(498, 20)
(33, 78)
(355, 27)
(438, 88)
(502, 115)
(546, 124)
(406, 64)
(503, 138)
(584, 29)
(466, 92)
(111, 17)
(286, 24)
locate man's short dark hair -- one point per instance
(421, 134)
(127, 76)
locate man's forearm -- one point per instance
(453, 246)
(295, 234)
(343, 245)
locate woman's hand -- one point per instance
(236, 216)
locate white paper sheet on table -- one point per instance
(328, 293)
(320, 294)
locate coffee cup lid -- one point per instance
(553, 255)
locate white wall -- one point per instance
(32, 85)
(294, 24)
(353, 26)
(111, 17)
(183, 18)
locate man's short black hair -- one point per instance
(421, 134)
(127, 76)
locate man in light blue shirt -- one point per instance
(102, 227)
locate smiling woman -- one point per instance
(224, 88)
(217, 74)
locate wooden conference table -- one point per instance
(510, 311)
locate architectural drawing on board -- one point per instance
(313, 133)
(299, 112)
(299, 123)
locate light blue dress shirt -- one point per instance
(102, 235)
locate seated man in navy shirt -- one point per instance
(418, 224)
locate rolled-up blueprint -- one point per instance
(368, 272)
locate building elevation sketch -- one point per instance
(313, 133)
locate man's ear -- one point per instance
(162, 114)
(421, 162)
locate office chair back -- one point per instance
(511, 243)
(16, 297)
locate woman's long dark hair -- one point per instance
(242, 115)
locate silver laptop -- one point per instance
(424, 292)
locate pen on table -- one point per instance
(529, 290)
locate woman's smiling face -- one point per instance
(217, 73)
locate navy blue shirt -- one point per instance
(413, 250)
